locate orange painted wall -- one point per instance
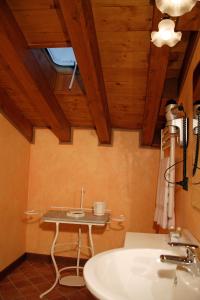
(14, 158)
(188, 216)
(124, 175)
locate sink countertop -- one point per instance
(154, 240)
(145, 240)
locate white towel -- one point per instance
(161, 212)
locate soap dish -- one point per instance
(75, 213)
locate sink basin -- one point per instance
(188, 286)
(127, 274)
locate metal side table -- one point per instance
(60, 217)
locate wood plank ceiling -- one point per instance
(124, 80)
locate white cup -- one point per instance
(99, 208)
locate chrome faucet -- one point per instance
(191, 261)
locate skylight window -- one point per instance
(63, 57)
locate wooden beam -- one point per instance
(190, 21)
(170, 89)
(46, 66)
(158, 62)
(78, 19)
(39, 23)
(196, 83)
(191, 49)
(12, 113)
(22, 63)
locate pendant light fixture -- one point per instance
(165, 35)
(175, 8)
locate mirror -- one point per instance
(196, 138)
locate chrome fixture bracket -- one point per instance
(196, 112)
(195, 126)
(174, 123)
(176, 126)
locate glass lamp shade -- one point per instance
(166, 35)
(175, 8)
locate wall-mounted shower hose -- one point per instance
(197, 147)
(184, 181)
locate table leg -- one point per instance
(54, 262)
(79, 251)
(90, 239)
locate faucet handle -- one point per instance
(193, 251)
(187, 245)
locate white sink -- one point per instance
(188, 286)
(127, 274)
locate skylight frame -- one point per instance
(62, 57)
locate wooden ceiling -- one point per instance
(124, 80)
